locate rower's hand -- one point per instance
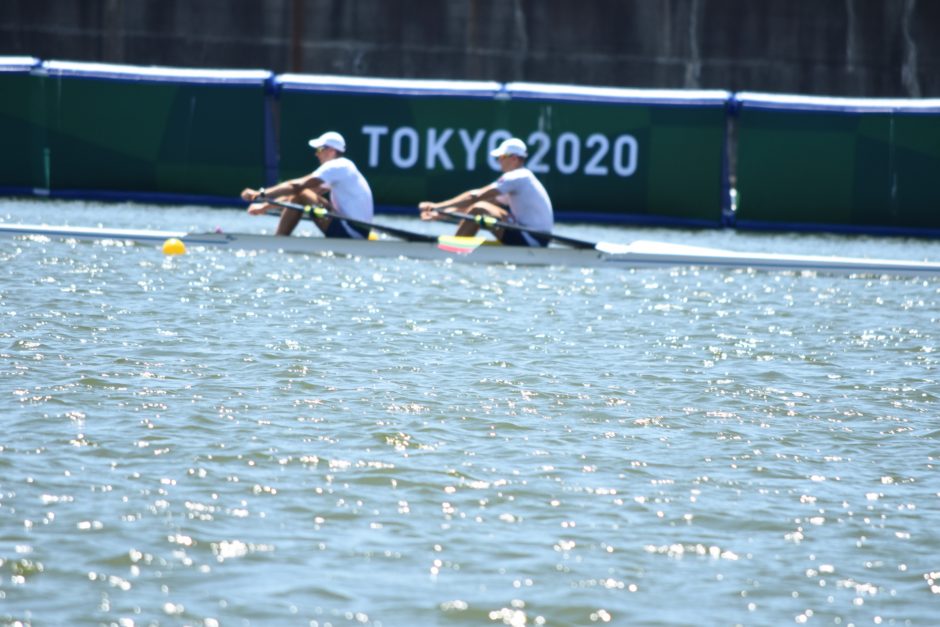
(258, 208)
(428, 212)
(249, 195)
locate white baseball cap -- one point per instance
(330, 139)
(512, 146)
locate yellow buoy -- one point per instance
(174, 246)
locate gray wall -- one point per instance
(886, 48)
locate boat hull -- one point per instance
(638, 254)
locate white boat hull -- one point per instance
(638, 254)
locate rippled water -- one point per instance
(231, 438)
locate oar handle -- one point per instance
(490, 222)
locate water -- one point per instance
(232, 438)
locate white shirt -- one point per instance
(527, 199)
(349, 192)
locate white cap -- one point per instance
(330, 139)
(512, 146)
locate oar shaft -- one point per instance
(321, 212)
(490, 222)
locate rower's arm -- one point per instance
(464, 200)
(286, 188)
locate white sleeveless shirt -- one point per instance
(527, 199)
(349, 191)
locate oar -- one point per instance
(489, 222)
(458, 245)
(314, 211)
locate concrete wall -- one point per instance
(870, 48)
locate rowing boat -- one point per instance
(637, 254)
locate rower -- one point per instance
(516, 197)
(337, 185)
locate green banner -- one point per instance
(152, 134)
(21, 126)
(608, 155)
(601, 159)
(815, 162)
